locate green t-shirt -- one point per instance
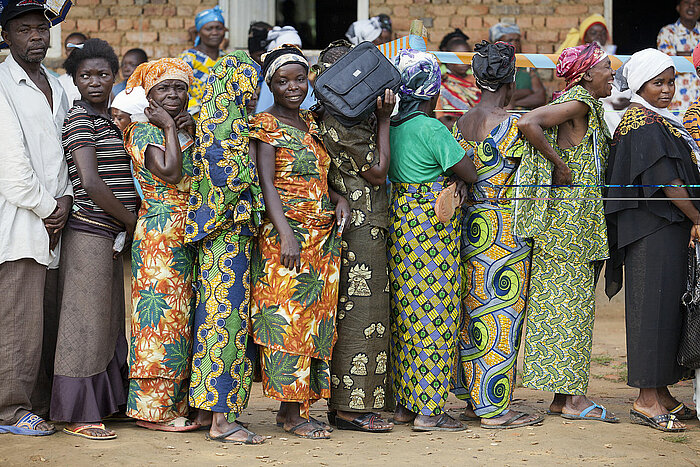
(422, 149)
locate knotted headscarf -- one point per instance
(151, 73)
(281, 56)
(643, 66)
(501, 29)
(420, 79)
(224, 187)
(493, 65)
(207, 16)
(574, 62)
(277, 37)
(364, 30)
(576, 35)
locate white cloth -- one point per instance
(34, 171)
(71, 89)
(133, 103)
(614, 117)
(643, 66)
(364, 30)
(278, 36)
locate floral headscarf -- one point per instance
(420, 79)
(574, 62)
(151, 73)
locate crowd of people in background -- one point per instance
(379, 266)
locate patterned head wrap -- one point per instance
(207, 16)
(277, 37)
(574, 62)
(420, 74)
(281, 56)
(224, 185)
(364, 30)
(501, 29)
(151, 73)
(493, 65)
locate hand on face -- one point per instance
(158, 116)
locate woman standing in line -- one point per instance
(296, 268)
(495, 262)
(161, 262)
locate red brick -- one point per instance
(173, 37)
(474, 22)
(546, 35)
(571, 9)
(87, 24)
(472, 10)
(174, 23)
(457, 22)
(562, 22)
(141, 37)
(108, 24)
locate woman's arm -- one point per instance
(686, 206)
(533, 124)
(342, 208)
(86, 161)
(166, 165)
(376, 175)
(536, 98)
(290, 250)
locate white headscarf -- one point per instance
(364, 30)
(133, 103)
(642, 67)
(278, 36)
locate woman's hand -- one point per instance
(158, 116)
(461, 191)
(185, 121)
(290, 254)
(342, 213)
(694, 236)
(562, 175)
(386, 107)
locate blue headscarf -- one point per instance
(207, 16)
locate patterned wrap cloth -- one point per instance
(149, 74)
(574, 62)
(225, 209)
(420, 79)
(570, 236)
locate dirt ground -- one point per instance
(555, 442)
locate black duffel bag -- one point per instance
(349, 88)
(689, 349)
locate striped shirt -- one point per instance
(83, 127)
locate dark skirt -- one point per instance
(655, 279)
(90, 363)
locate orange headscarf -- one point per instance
(151, 73)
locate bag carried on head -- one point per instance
(349, 88)
(689, 348)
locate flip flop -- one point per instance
(26, 426)
(466, 418)
(365, 422)
(439, 426)
(510, 422)
(584, 415)
(310, 434)
(664, 422)
(171, 426)
(325, 426)
(93, 426)
(236, 429)
(683, 412)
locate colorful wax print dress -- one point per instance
(224, 213)
(358, 368)
(201, 64)
(161, 288)
(457, 95)
(293, 314)
(495, 276)
(567, 225)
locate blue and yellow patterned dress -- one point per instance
(568, 227)
(495, 276)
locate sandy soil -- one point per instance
(555, 442)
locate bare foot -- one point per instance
(469, 414)
(557, 403)
(203, 417)
(437, 422)
(221, 425)
(403, 415)
(577, 404)
(378, 423)
(294, 423)
(96, 432)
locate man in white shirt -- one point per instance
(35, 201)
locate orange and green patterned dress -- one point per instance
(293, 314)
(161, 288)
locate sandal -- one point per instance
(310, 434)
(223, 438)
(368, 422)
(664, 422)
(510, 422)
(27, 425)
(92, 426)
(440, 425)
(180, 424)
(323, 425)
(683, 412)
(583, 415)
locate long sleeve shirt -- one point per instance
(33, 170)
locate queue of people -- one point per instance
(266, 244)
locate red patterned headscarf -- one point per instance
(574, 62)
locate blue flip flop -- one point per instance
(584, 415)
(27, 426)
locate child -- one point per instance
(131, 59)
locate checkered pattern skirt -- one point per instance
(424, 279)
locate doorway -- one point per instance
(636, 23)
(319, 22)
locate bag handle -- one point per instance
(692, 293)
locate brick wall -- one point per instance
(157, 26)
